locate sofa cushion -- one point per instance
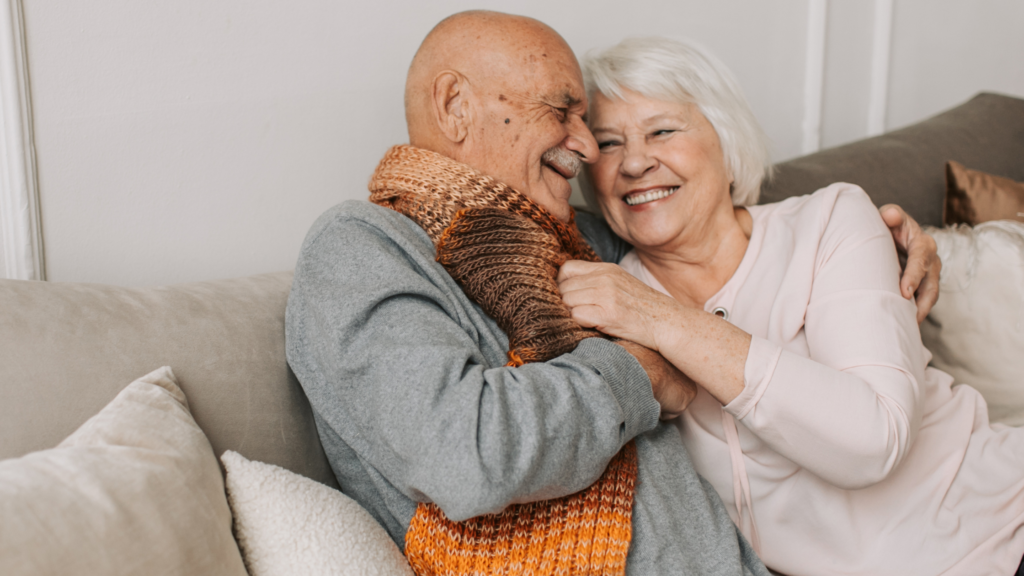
(135, 490)
(906, 166)
(976, 329)
(289, 525)
(67, 349)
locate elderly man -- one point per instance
(454, 401)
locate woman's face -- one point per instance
(660, 177)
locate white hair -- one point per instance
(668, 70)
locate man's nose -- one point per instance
(636, 160)
(581, 141)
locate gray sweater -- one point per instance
(413, 402)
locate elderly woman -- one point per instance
(835, 447)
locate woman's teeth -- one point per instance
(650, 196)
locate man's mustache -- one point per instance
(566, 160)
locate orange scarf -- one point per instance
(505, 250)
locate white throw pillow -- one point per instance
(135, 490)
(287, 524)
(976, 329)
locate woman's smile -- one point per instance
(639, 197)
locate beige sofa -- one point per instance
(67, 349)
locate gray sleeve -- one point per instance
(595, 230)
(410, 375)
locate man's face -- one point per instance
(530, 131)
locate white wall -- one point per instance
(195, 139)
(944, 52)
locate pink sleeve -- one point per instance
(848, 413)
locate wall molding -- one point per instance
(814, 74)
(878, 98)
(19, 191)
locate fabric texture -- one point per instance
(288, 525)
(973, 197)
(976, 329)
(504, 250)
(135, 490)
(845, 452)
(406, 418)
(67, 349)
(905, 166)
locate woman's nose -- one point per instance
(636, 160)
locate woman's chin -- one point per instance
(646, 239)
(647, 226)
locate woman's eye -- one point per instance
(606, 144)
(662, 132)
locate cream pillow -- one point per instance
(976, 329)
(135, 490)
(287, 524)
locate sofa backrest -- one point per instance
(907, 166)
(67, 349)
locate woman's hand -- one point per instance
(702, 346)
(606, 297)
(921, 272)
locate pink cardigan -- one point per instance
(846, 453)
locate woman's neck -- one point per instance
(697, 265)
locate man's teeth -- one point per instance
(650, 196)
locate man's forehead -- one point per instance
(560, 93)
(566, 93)
(561, 84)
(516, 55)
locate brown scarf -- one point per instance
(505, 251)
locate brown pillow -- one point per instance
(974, 197)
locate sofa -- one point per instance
(66, 350)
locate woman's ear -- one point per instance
(450, 99)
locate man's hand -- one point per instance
(921, 272)
(672, 389)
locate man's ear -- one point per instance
(450, 99)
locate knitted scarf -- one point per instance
(505, 250)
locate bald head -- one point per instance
(486, 47)
(503, 94)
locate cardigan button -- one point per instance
(721, 313)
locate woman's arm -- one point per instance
(849, 412)
(706, 348)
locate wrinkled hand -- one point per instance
(606, 297)
(921, 272)
(672, 389)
